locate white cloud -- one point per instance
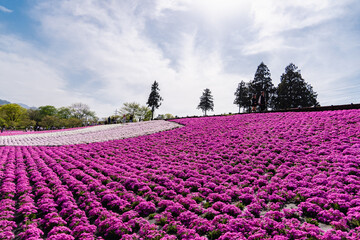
(28, 78)
(273, 20)
(107, 43)
(4, 9)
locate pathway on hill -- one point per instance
(88, 135)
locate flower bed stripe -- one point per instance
(88, 135)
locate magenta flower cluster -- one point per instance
(257, 176)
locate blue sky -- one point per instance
(107, 52)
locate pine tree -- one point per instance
(242, 95)
(262, 82)
(293, 91)
(155, 99)
(206, 101)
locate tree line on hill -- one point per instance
(15, 116)
(47, 117)
(292, 91)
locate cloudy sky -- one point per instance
(107, 52)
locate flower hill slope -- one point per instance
(258, 176)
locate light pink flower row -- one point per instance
(21, 132)
(88, 135)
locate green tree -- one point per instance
(242, 96)
(47, 110)
(72, 122)
(169, 116)
(3, 123)
(64, 113)
(165, 116)
(293, 91)
(262, 82)
(144, 113)
(12, 113)
(206, 101)
(50, 121)
(34, 115)
(130, 108)
(27, 122)
(155, 99)
(82, 111)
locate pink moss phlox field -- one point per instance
(255, 176)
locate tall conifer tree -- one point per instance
(155, 99)
(242, 96)
(293, 91)
(206, 101)
(262, 82)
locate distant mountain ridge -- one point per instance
(3, 102)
